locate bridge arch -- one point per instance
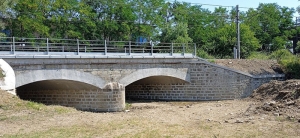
(181, 74)
(62, 74)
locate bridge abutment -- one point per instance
(101, 83)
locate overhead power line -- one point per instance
(213, 5)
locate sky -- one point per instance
(244, 3)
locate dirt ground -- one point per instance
(251, 66)
(232, 118)
(272, 111)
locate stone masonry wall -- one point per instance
(109, 99)
(207, 82)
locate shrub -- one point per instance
(258, 55)
(203, 54)
(281, 54)
(290, 63)
(291, 67)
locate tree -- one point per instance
(5, 13)
(222, 41)
(249, 43)
(175, 33)
(31, 18)
(114, 19)
(150, 18)
(200, 25)
(176, 27)
(54, 18)
(64, 18)
(85, 23)
(272, 24)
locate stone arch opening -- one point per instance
(79, 95)
(180, 73)
(57, 92)
(156, 88)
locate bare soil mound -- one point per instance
(253, 66)
(281, 98)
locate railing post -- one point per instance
(151, 48)
(129, 47)
(195, 50)
(39, 45)
(84, 49)
(172, 49)
(14, 46)
(47, 46)
(183, 49)
(77, 47)
(105, 47)
(11, 48)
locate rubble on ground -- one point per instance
(279, 98)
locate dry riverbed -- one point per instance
(231, 118)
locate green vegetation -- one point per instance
(267, 28)
(2, 74)
(201, 53)
(34, 105)
(291, 67)
(127, 106)
(258, 55)
(290, 63)
(5, 12)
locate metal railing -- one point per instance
(50, 46)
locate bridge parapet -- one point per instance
(43, 47)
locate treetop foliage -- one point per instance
(269, 27)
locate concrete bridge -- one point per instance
(102, 82)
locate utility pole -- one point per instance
(238, 32)
(295, 41)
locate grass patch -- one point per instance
(73, 131)
(3, 117)
(85, 130)
(34, 105)
(3, 107)
(2, 74)
(259, 55)
(128, 106)
(148, 134)
(211, 60)
(203, 54)
(15, 118)
(61, 110)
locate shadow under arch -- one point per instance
(79, 95)
(181, 74)
(63, 74)
(58, 85)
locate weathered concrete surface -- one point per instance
(31, 76)
(180, 73)
(8, 82)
